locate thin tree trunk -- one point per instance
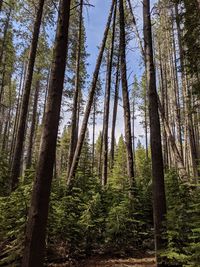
(36, 226)
(159, 199)
(93, 135)
(18, 108)
(17, 157)
(107, 104)
(33, 124)
(125, 95)
(114, 118)
(74, 131)
(90, 101)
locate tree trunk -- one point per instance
(17, 113)
(74, 131)
(32, 129)
(107, 104)
(90, 101)
(15, 169)
(159, 200)
(36, 226)
(114, 118)
(125, 95)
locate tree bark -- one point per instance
(90, 101)
(33, 124)
(36, 226)
(125, 95)
(107, 104)
(114, 118)
(159, 199)
(74, 130)
(15, 168)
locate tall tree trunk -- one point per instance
(159, 199)
(16, 113)
(125, 95)
(107, 103)
(6, 27)
(93, 135)
(74, 131)
(33, 124)
(15, 169)
(90, 101)
(18, 108)
(36, 226)
(187, 103)
(114, 118)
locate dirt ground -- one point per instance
(146, 262)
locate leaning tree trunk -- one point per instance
(90, 101)
(107, 104)
(159, 199)
(15, 168)
(37, 221)
(74, 130)
(125, 95)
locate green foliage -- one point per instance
(183, 222)
(4, 175)
(13, 214)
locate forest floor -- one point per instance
(131, 262)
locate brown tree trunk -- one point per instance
(74, 130)
(107, 104)
(159, 200)
(114, 118)
(90, 101)
(15, 169)
(36, 226)
(33, 124)
(125, 95)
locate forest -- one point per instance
(100, 133)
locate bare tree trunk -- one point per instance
(90, 101)
(74, 131)
(107, 103)
(36, 226)
(21, 88)
(93, 136)
(114, 118)
(33, 124)
(159, 199)
(15, 169)
(125, 95)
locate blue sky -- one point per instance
(95, 21)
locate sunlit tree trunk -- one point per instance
(74, 123)
(125, 95)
